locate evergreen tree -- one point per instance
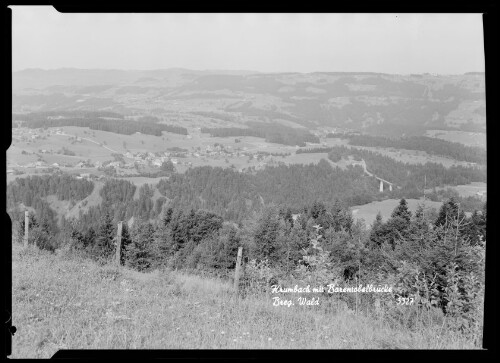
(89, 238)
(265, 235)
(475, 229)
(178, 231)
(168, 216)
(420, 222)
(104, 246)
(317, 210)
(452, 217)
(218, 250)
(40, 238)
(126, 241)
(449, 213)
(286, 214)
(163, 244)
(296, 242)
(341, 217)
(231, 241)
(401, 211)
(398, 226)
(202, 224)
(377, 231)
(140, 251)
(76, 237)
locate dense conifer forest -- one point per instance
(430, 145)
(275, 133)
(102, 121)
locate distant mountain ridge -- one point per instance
(377, 103)
(23, 78)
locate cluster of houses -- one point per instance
(150, 158)
(218, 150)
(23, 134)
(322, 132)
(37, 164)
(131, 160)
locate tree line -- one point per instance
(430, 145)
(32, 116)
(411, 177)
(274, 133)
(119, 126)
(64, 186)
(236, 195)
(30, 192)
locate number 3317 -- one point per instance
(405, 300)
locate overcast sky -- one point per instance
(389, 43)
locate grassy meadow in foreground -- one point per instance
(64, 302)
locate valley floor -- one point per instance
(63, 302)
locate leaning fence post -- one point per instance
(26, 227)
(237, 270)
(119, 244)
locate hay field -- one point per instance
(369, 211)
(463, 137)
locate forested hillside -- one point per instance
(63, 186)
(431, 146)
(278, 134)
(115, 124)
(411, 177)
(236, 196)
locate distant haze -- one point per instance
(388, 43)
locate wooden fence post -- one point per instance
(119, 244)
(237, 270)
(26, 227)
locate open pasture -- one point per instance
(463, 137)
(369, 211)
(468, 190)
(412, 156)
(61, 301)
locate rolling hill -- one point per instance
(370, 102)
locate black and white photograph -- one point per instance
(246, 181)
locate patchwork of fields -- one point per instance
(469, 190)
(463, 137)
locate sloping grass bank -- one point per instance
(60, 301)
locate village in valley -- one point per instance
(40, 155)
